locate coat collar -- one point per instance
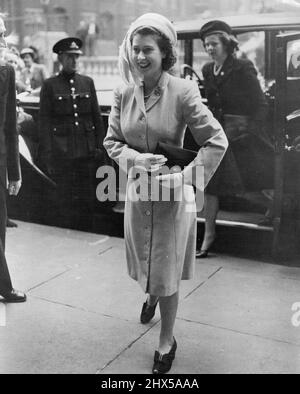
(230, 65)
(155, 97)
(67, 76)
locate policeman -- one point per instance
(71, 136)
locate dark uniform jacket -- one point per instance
(236, 90)
(9, 145)
(71, 125)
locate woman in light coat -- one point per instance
(153, 106)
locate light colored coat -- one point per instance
(160, 236)
(36, 75)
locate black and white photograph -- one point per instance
(149, 190)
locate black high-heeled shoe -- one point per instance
(163, 362)
(201, 254)
(148, 312)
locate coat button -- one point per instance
(75, 106)
(72, 81)
(148, 213)
(76, 124)
(76, 115)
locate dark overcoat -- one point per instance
(9, 145)
(71, 138)
(234, 91)
(9, 158)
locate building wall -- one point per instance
(113, 17)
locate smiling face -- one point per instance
(215, 47)
(147, 56)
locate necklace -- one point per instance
(156, 90)
(217, 69)
(146, 96)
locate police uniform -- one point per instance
(71, 136)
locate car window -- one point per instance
(293, 60)
(199, 54)
(292, 94)
(252, 46)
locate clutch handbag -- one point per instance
(176, 156)
(235, 126)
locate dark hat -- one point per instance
(27, 51)
(215, 27)
(68, 45)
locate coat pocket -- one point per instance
(62, 104)
(61, 139)
(84, 103)
(90, 133)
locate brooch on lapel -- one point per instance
(157, 91)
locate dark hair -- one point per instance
(230, 43)
(35, 54)
(163, 43)
(28, 53)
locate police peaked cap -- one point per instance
(68, 45)
(215, 26)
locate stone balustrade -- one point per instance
(99, 66)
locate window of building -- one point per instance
(34, 20)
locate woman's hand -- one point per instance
(14, 187)
(177, 178)
(149, 161)
(171, 181)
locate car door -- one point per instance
(287, 141)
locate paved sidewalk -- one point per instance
(82, 314)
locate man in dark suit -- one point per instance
(9, 165)
(71, 137)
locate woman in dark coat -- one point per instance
(235, 97)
